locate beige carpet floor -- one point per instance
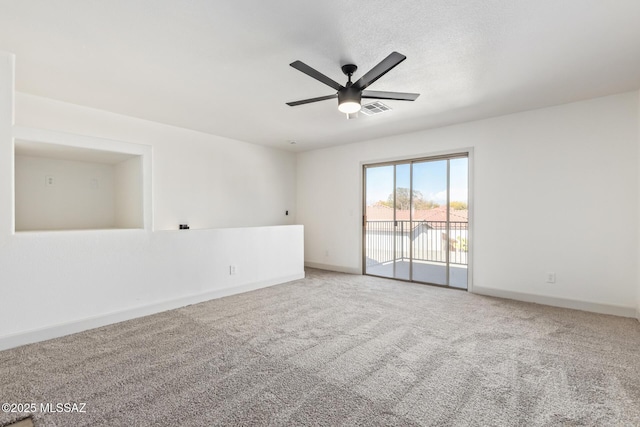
(337, 349)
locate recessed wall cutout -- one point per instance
(60, 187)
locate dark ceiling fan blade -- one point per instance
(399, 96)
(307, 101)
(312, 72)
(379, 70)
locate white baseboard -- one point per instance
(616, 310)
(338, 268)
(62, 329)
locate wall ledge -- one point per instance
(60, 330)
(613, 309)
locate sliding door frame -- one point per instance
(442, 155)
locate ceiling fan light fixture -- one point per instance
(349, 107)
(349, 100)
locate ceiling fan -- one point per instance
(350, 95)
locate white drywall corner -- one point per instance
(7, 61)
(638, 263)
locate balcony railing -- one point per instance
(424, 240)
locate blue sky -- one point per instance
(430, 178)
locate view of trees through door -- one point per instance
(416, 220)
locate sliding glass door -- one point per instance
(416, 220)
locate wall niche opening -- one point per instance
(69, 187)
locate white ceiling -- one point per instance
(222, 67)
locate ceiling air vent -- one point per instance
(374, 108)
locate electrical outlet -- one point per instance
(551, 277)
(232, 270)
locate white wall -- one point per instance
(555, 190)
(638, 136)
(128, 193)
(204, 180)
(54, 283)
(81, 196)
(58, 282)
(7, 62)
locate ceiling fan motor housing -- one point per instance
(349, 94)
